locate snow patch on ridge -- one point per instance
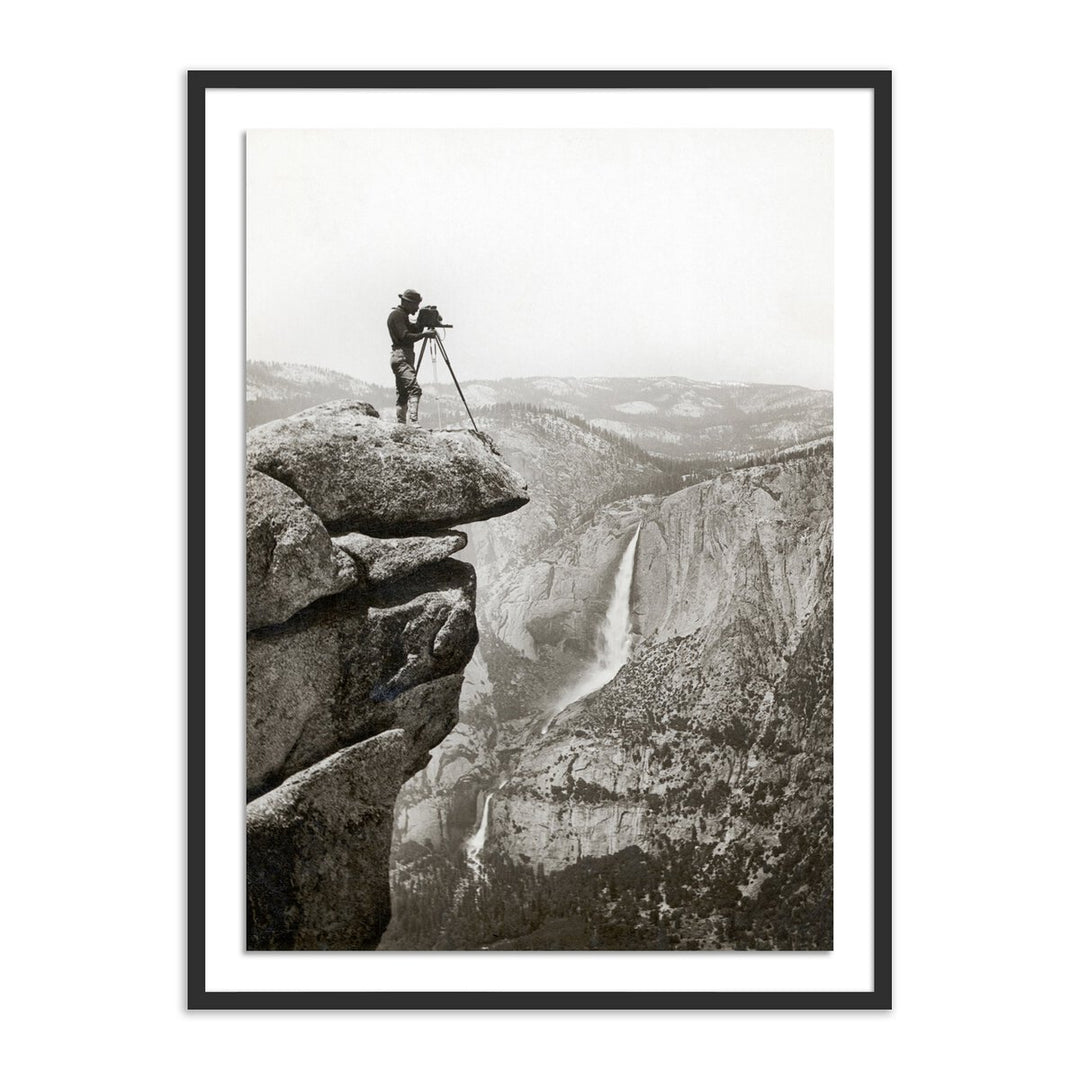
(636, 407)
(558, 387)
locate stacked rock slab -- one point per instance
(360, 627)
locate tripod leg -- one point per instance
(423, 346)
(446, 359)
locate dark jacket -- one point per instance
(402, 332)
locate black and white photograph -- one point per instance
(539, 539)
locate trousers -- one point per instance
(408, 389)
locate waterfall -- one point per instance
(615, 634)
(475, 844)
(613, 645)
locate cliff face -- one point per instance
(719, 726)
(754, 543)
(712, 746)
(359, 630)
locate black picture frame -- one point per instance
(879, 83)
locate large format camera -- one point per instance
(428, 317)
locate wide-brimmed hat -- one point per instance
(411, 295)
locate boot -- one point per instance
(401, 414)
(414, 409)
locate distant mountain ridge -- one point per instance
(275, 391)
(667, 415)
(675, 415)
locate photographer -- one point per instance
(403, 334)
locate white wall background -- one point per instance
(985, 385)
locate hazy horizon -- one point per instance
(706, 254)
(529, 376)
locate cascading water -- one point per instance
(613, 647)
(475, 844)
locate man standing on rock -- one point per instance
(403, 334)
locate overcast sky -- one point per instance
(707, 254)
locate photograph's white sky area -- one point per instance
(707, 254)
